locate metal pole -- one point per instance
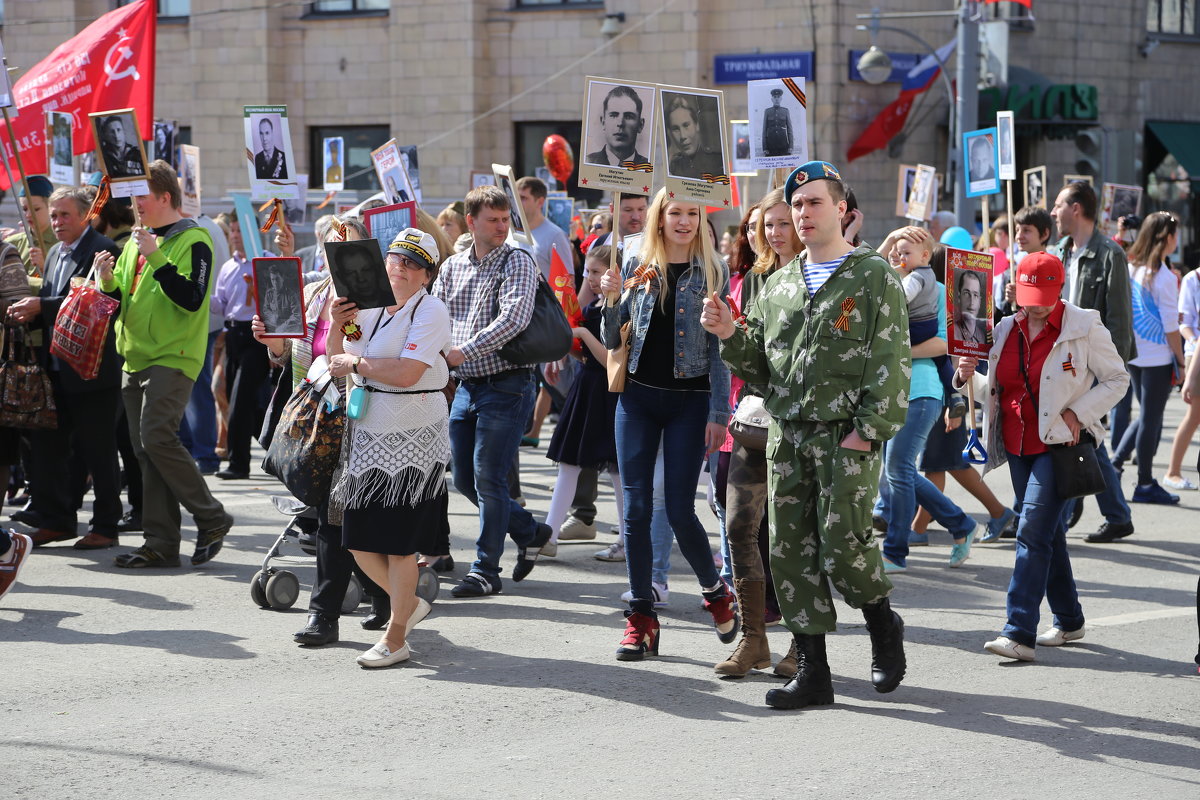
(966, 105)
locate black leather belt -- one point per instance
(523, 372)
(237, 324)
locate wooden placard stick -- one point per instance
(36, 239)
(611, 298)
(987, 219)
(1012, 239)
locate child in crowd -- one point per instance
(583, 436)
(911, 260)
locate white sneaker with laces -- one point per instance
(1057, 637)
(1004, 646)
(659, 590)
(574, 530)
(614, 552)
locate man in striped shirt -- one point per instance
(489, 290)
(828, 337)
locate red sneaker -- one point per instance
(22, 546)
(641, 637)
(725, 618)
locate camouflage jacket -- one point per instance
(841, 356)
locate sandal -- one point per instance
(144, 557)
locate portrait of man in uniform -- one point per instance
(270, 163)
(333, 161)
(278, 294)
(777, 127)
(119, 146)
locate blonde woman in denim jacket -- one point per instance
(677, 393)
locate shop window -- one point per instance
(359, 141)
(350, 7)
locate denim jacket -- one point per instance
(699, 352)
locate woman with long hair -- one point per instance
(746, 489)
(677, 393)
(1155, 293)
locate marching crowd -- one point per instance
(803, 369)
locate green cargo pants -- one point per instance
(820, 518)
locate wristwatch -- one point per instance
(357, 361)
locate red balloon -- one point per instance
(559, 158)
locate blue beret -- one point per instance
(806, 173)
(39, 186)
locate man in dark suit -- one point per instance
(87, 409)
(621, 122)
(270, 162)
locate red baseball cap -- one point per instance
(1040, 279)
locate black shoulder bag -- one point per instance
(546, 338)
(1076, 468)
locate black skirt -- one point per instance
(584, 436)
(395, 530)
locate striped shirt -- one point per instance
(815, 274)
(490, 301)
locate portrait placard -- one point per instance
(269, 159)
(165, 134)
(384, 222)
(519, 226)
(408, 157)
(618, 136)
(1088, 179)
(358, 273)
(295, 212)
(118, 145)
(389, 167)
(919, 197)
(248, 222)
(60, 147)
(1007, 140)
(694, 131)
(189, 180)
(968, 302)
(279, 296)
(481, 178)
(904, 184)
(1118, 200)
(6, 93)
(560, 210)
(1035, 186)
(981, 163)
(333, 163)
(739, 134)
(778, 123)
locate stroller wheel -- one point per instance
(353, 596)
(258, 589)
(283, 589)
(427, 584)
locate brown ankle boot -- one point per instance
(786, 668)
(751, 651)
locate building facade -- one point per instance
(1107, 87)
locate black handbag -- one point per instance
(306, 447)
(1076, 468)
(548, 335)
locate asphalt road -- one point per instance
(174, 684)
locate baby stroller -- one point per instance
(272, 587)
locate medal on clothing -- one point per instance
(1069, 364)
(351, 331)
(843, 322)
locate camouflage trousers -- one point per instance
(745, 502)
(820, 518)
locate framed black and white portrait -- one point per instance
(118, 144)
(279, 296)
(359, 274)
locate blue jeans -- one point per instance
(1152, 385)
(199, 429)
(485, 431)
(1043, 567)
(646, 416)
(905, 487)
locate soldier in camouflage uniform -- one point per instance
(828, 337)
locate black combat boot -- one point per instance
(812, 684)
(887, 645)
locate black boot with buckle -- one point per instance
(812, 684)
(887, 645)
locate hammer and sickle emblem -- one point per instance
(124, 53)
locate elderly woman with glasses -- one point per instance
(398, 445)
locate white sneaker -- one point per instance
(380, 656)
(1183, 484)
(614, 552)
(574, 530)
(549, 550)
(1004, 646)
(659, 590)
(1056, 637)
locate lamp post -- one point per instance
(875, 66)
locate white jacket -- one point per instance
(1098, 381)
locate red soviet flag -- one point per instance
(108, 65)
(563, 284)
